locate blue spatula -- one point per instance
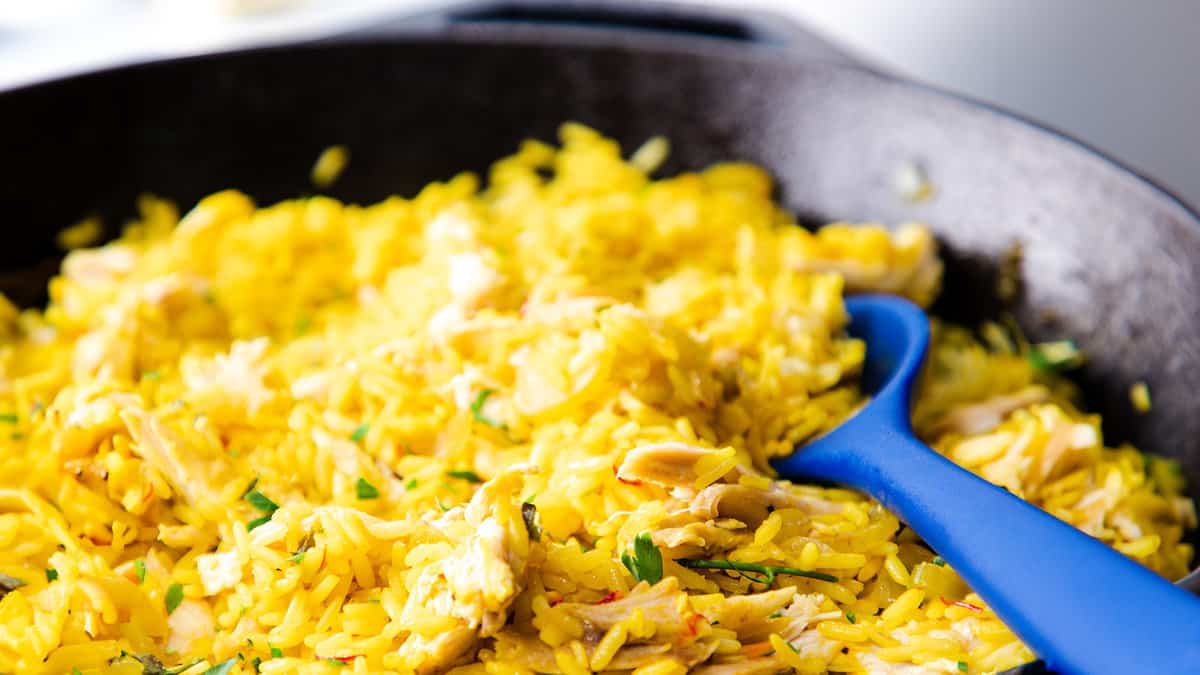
(1083, 607)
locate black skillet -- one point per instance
(1108, 256)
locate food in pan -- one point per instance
(517, 428)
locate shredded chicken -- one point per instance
(478, 582)
(976, 418)
(538, 656)
(751, 505)
(665, 464)
(748, 615)
(694, 539)
(661, 604)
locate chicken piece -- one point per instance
(90, 419)
(230, 386)
(976, 418)
(910, 266)
(694, 539)
(438, 653)
(90, 266)
(747, 615)
(665, 464)
(191, 621)
(190, 475)
(1065, 450)
(661, 603)
(478, 581)
(752, 505)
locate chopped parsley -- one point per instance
(151, 375)
(257, 523)
(336, 663)
(365, 490)
(297, 557)
(9, 418)
(529, 514)
(51, 574)
(360, 432)
(151, 665)
(255, 663)
(646, 563)
(303, 323)
(1054, 356)
(962, 666)
(768, 572)
(221, 668)
(850, 617)
(139, 568)
(411, 484)
(261, 502)
(250, 488)
(441, 506)
(465, 474)
(477, 410)
(173, 598)
(276, 652)
(939, 561)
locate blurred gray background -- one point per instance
(1121, 74)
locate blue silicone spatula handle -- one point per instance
(1081, 606)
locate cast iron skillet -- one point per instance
(1108, 256)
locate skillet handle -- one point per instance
(681, 21)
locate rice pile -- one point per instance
(503, 430)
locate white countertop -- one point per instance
(1121, 75)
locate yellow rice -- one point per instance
(406, 385)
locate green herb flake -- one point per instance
(646, 563)
(16, 436)
(250, 488)
(529, 514)
(365, 490)
(258, 522)
(768, 572)
(1054, 356)
(465, 474)
(222, 668)
(850, 617)
(276, 652)
(411, 484)
(76, 671)
(939, 561)
(477, 410)
(775, 615)
(261, 502)
(335, 663)
(297, 557)
(303, 323)
(139, 568)
(441, 506)
(529, 499)
(9, 418)
(962, 666)
(151, 375)
(173, 598)
(256, 663)
(51, 574)
(360, 432)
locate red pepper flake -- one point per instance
(612, 595)
(555, 599)
(617, 473)
(693, 621)
(343, 659)
(963, 604)
(757, 649)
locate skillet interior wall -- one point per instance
(1107, 256)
